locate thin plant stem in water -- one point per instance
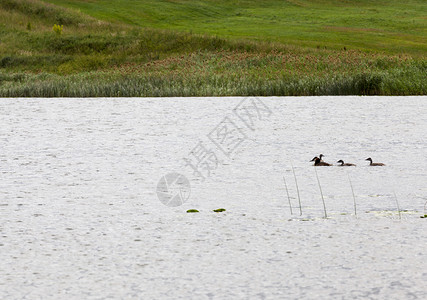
(321, 193)
(287, 192)
(354, 197)
(398, 207)
(296, 184)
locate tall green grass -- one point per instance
(176, 77)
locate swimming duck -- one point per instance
(374, 164)
(317, 162)
(320, 157)
(342, 164)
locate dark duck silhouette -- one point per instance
(320, 157)
(342, 164)
(374, 164)
(318, 162)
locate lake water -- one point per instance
(83, 214)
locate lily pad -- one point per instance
(219, 210)
(192, 211)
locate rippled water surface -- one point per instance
(81, 218)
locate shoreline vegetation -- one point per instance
(90, 57)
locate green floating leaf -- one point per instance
(422, 217)
(192, 211)
(219, 210)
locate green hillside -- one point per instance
(201, 48)
(387, 25)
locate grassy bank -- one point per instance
(107, 53)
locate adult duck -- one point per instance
(374, 164)
(318, 162)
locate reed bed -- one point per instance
(101, 84)
(224, 74)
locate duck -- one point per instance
(342, 164)
(317, 162)
(320, 157)
(374, 164)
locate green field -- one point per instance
(383, 25)
(201, 48)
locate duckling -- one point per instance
(345, 164)
(374, 164)
(317, 162)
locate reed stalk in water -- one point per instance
(354, 197)
(287, 192)
(397, 204)
(321, 193)
(296, 184)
